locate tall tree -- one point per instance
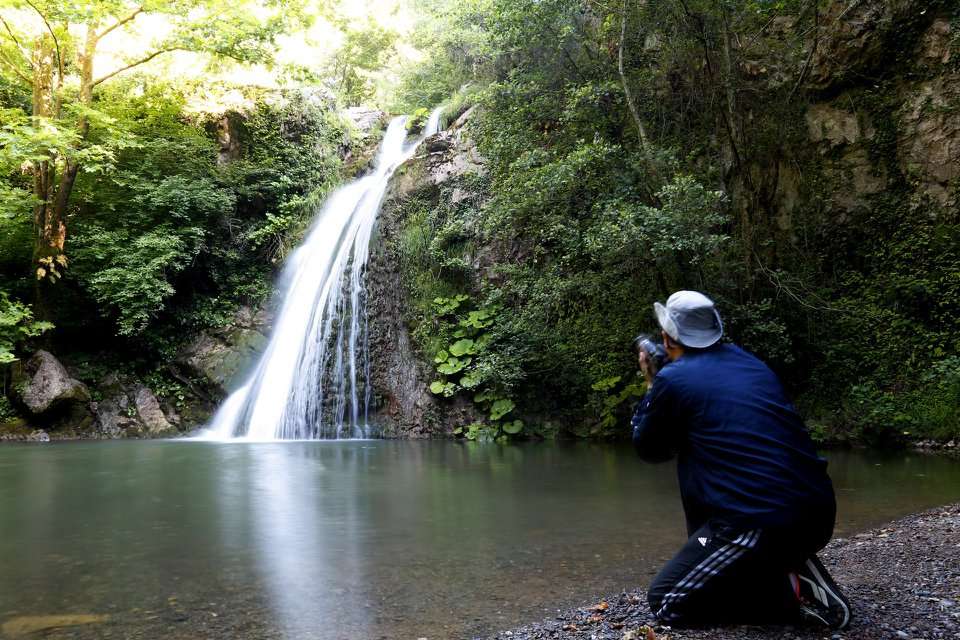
(54, 48)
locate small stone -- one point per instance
(903, 635)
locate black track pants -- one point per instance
(725, 574)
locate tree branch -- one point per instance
(121, 22)
(56, 43)
(13, 67)
(13, 37)
(136, 63)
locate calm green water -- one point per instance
(356, 539)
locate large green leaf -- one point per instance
(471, 379)
(453, 365)
(513, 428)
(462, 347)
(500, 408)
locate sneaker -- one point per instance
(820, 599)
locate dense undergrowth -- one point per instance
(588, 213)
(178, 228)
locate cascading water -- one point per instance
(312, 381)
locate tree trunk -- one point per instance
(631, 103)
(53, 195)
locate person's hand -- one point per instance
(646, 367)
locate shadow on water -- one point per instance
(357, 539)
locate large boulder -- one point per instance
(46, 385)
(129, 409)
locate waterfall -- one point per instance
(312, 381)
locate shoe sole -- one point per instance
(824, 593)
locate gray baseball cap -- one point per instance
(690, 318)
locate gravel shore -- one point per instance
(903, 582)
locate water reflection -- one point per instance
(330, 540)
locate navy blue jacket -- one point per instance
(744, 454)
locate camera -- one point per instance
(655, 351)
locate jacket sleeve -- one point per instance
(656, 423)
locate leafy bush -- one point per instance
(16, 325)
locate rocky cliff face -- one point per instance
(885, 111)
(400, 374)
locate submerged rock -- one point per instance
(22, 626)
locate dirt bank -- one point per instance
(903, 581)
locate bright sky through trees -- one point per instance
(298, 54)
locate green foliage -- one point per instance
(132, 274)
(278, 185)
(167, 388)
(365, 49)
(16, 325)
(613, 401)
(7, 410)
(579, 226)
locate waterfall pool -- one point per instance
(355, 539)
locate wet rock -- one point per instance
(38, 435)
(48, 385)
(367, 121)
(221, 358)
(14, 429)
(107, 415)
(404, 405)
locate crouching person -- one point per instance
(757, 498)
